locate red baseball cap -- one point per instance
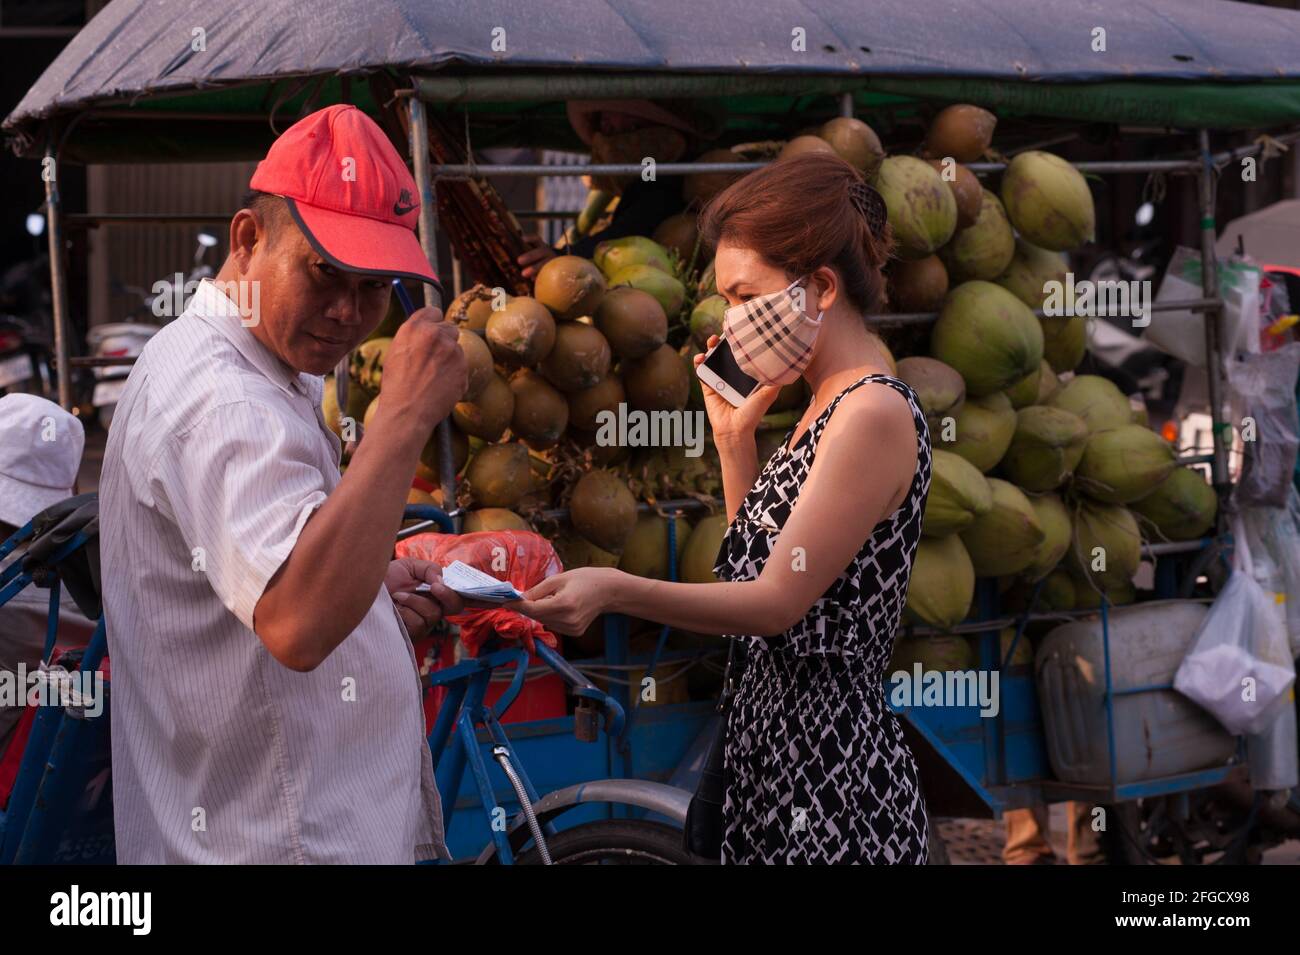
(350, 193)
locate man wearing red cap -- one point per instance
(266, 699)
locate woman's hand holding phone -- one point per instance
(729, 422)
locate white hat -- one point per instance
(40, 454)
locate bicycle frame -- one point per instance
(49, 780)
(463, 710)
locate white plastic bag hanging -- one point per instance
(1276, 532)
(1182, 334)
(1262, 395)
(1239, 666)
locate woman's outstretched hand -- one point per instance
(728, 421)
(567, 603)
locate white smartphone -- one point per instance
(721, 373)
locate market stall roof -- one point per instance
(1170, 62)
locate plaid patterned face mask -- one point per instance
(771, 337)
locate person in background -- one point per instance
(1027, 833)
(40, 454)
(627, 131)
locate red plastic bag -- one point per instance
(521, 557)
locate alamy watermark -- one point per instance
(53, 686)
(1105, 297)
(651, 429)
(923, 687)
(170, 298)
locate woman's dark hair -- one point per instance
(799, 215)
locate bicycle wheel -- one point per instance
(614, 842)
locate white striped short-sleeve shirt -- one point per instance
(217, 456)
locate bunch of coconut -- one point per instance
(365, 384)
(551, 428)
(1044, 478)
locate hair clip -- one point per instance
(871, 204)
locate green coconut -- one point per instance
(570, 286)
(988, 335)
(1045, 448)
(494, 519)
(1048, 383)
(576, 551)
(958, 494)
(942, 585)
(366, 365)
(981, 430)
(941, 389)
(1048, 201)
(708, 284)
(802, 145)
(1055, 590)
(1182, 507)
(1024, 653)
(1124, 464)
(962, 132)
(603, 510)
(668, 292)
(541, 411)
(522, 333)
(658, 382)
(614, 255)
(1054, 518)
(701, 550)
(706, 319)
(1065, 340)
(478, 363)
(966, 189)
(1030, 270)
(984, 249)
(488, 415)
(499, 475)
(1005, 540)
(1106, 545)
(937, 653)
(646, 552)
(579, 358)
(1118, 595)
(679, 233)
(856, 143)
(1025, 391)
(1096, 400)
(922, 210)
(633, 321)
(606, 395)
(917, 285)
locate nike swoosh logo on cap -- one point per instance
(399, 209)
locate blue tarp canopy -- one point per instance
(192, 55)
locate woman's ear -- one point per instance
(826, 286)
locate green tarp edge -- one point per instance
(1179, 104)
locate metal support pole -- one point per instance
(58, 274)
(846, 104)
(429, 241)
(1213, 317)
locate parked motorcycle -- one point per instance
(159, 305)
(26, 363)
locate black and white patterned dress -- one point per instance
(817, 770)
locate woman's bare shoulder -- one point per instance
(873, 405)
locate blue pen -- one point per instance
(400, 290)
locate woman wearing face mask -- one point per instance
(815, 565)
